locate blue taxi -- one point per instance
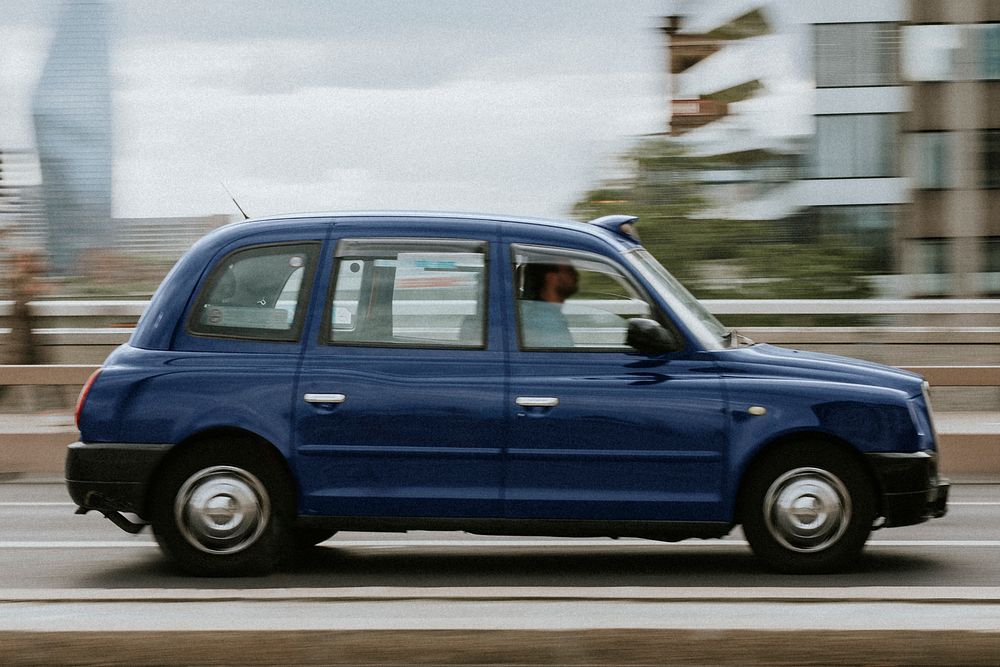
(301, 375)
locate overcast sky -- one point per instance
(514, 107)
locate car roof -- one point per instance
(465, 217)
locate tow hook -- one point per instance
(118, 519)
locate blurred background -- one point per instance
(774, 149)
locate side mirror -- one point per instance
(651, 337)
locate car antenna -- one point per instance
(245, 216)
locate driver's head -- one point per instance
(550, 282)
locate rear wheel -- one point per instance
(223, 510)
(808, 509)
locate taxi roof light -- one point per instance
(623, 225)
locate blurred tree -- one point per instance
(721, 258)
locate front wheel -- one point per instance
(222, 512)
(808, 509)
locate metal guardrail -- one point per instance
(135, 308)
(853, 306)
(951, 358)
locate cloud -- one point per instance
(529, 144)
(376, 104)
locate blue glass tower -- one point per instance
(72, 114)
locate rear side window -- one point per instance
(257, 293)
(409, 293)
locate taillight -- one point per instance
(83, 396)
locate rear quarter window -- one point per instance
(256, 293)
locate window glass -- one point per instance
(867, 229)
(990, 158)
(573, 300)
(935, 260)
(951, 52)
(255, 293)
(931, 159)
(991, 51)
(857, 54)
(991, 266)
(930, 52)
(395, 292)
(855, 146)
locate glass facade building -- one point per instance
(951, 64)
(72, 115)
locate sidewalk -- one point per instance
(502, 627)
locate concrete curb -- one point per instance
(502, 626)
(502, 647)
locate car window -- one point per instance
(255, 293)
(409, 293)
(573, 300)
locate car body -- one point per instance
(300, 375)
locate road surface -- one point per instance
(76, 586)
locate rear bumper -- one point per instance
(910, 487)
(112, 476)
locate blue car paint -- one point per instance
(635, 437)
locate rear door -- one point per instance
(400, 407)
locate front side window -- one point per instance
(573, 300)
(409, 293)
(256, 293)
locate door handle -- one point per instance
(325, 398)
(537, 401)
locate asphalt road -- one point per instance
(43, 545)
(76, 589)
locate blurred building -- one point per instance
(842, 175)
(951, 57)
(854, 185)
(72, 114)
(22, 218)
(716, 68)
(904, 157)
(164, 238)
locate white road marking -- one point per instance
(969, 503)
(464, 544)
(506, 593)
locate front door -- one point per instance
(400, 400)
(600, 431)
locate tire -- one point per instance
(223, 509)
(808, 509)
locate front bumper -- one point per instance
(910, 487)
(112, 477)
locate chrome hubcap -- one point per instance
(222, 509)
(807, 509)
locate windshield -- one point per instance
(701, 323)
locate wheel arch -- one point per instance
(789, 441)
(225, 436)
